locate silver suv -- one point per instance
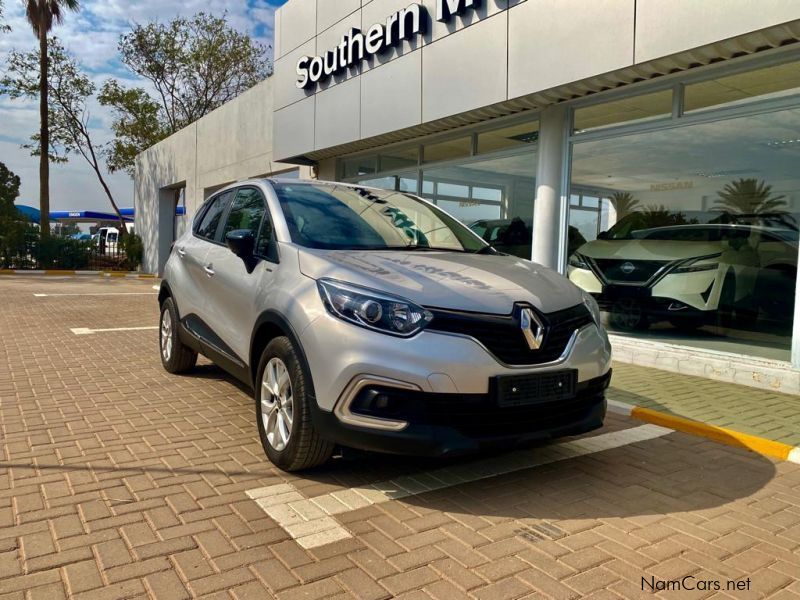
(373, 319)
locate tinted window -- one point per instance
(344, 217)
(246, 212)
(213, 215)
(264, 237)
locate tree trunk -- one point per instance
(44, 137)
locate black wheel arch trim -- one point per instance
(275, 319)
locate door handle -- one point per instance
(181, 252)
(209, 269)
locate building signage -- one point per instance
(357, 46)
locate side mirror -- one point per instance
(241, 242)
(603, 235)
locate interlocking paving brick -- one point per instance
(120, 481)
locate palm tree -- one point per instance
(749, 197)
(624, 203)
(42, 14)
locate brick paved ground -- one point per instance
(120, 481)
(771, 415)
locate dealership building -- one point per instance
(647, 149)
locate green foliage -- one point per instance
(9, 192)
(749, 197)
(69, 89)
(137, 124)
(43, 14)
(3, 27)
(13, 227)
(61, 253)
(194, 65)
(133, 246)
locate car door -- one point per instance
(237, 283)
(190, 287)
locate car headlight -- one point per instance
(593, 307)
(373, 310)
(709, 262)
(578, 261)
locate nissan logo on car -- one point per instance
(627, 268)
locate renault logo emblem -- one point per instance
(627, 268)
(532, 328)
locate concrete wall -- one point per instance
(230, 144)
(504, 50)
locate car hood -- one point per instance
(665, 250)
(453, 280)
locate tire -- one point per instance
(283, 411)
(627, 314)
(176, 357)
(777, 288)
(731, 315)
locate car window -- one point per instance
(213, 215)
(339, 217)
(246, 212)
(264, 237)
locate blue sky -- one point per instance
(91, 35)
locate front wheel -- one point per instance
(628, 314)
(283, 410)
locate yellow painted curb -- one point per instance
(753, 443)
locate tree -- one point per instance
(13, 225)
(9, 192)
(194, 65)
(624, 203)
(3, 27)
(69, 90)
(749, 197)
(42, 15)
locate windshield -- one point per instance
(696, 226)
(340, 217)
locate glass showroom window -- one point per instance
(697, 231)
(485, 179)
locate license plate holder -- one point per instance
(534, 388)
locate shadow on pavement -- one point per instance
(673, 473)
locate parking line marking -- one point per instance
(311, 522)
(100, 294)
(87, 331)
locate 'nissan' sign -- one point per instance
(357, 46)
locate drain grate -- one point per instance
(540, 532)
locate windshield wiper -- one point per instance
(486, 250)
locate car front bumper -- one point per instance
(447, 378)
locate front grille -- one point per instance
(628, 271)
(502, 334)
(480, 416)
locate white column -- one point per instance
(547, 232)
(796, 331)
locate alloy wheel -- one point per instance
(166, 335)
(277, 403)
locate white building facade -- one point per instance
(660, 137)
